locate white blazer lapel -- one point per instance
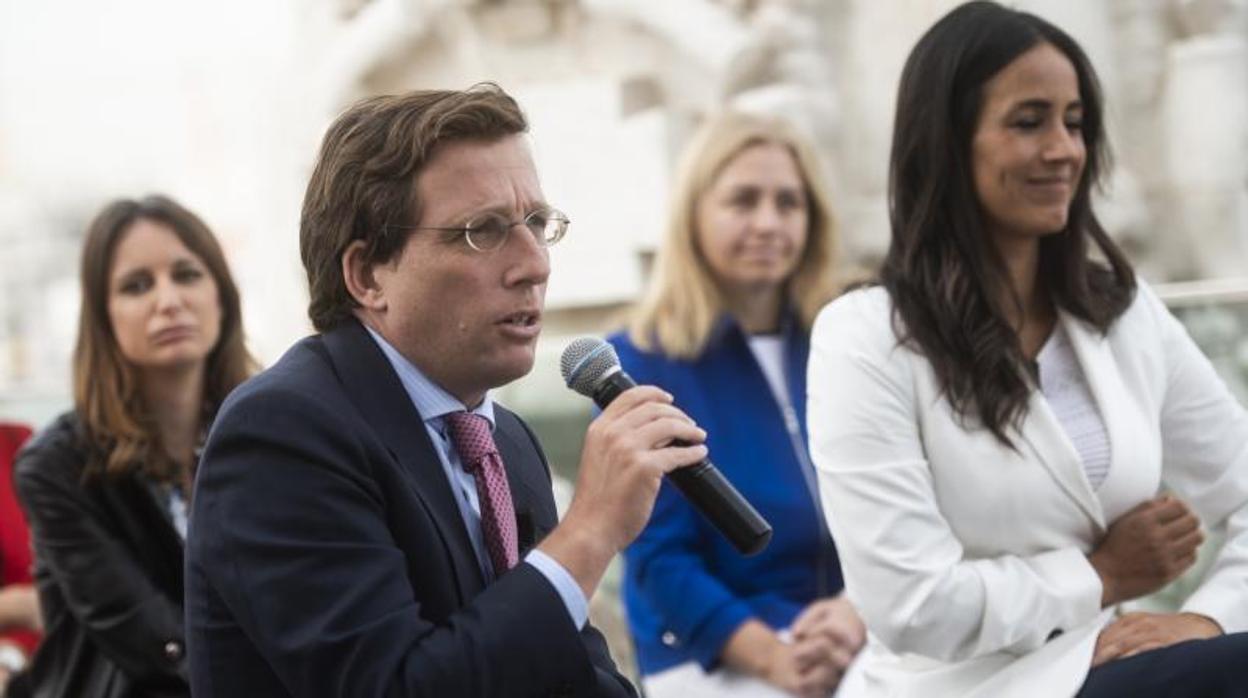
(1054, 450)
(1132, 438)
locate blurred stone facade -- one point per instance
(613, 88)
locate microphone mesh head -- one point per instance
(584, 363)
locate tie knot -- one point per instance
(471, 435)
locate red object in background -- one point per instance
(15, 560)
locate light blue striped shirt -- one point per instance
(433, 403)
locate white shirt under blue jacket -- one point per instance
(686, 589)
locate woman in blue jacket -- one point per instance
(746, 264)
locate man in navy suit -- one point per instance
(366, 520)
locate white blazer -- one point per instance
(967, 559)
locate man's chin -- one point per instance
(509, 371)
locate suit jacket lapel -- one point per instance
(143, 506)
(369, 380)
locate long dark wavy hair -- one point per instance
(948, 283)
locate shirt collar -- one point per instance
(431, 401)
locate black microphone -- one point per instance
(591, 368)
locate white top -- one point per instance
(177, 512)
(1066, 389)
(963, 555)
(769, 353)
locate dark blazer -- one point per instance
(327, 555)
(108, 567)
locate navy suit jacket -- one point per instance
(327, 555)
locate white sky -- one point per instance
(86, 85)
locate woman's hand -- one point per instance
(1140, 632)
(804, 668)
(12, 659)
(1146, 548)
(835, 619)
(19, 608)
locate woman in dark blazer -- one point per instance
(746, 263)
(105, 487)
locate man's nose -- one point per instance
(528, 260)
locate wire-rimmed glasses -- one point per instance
(488, 231)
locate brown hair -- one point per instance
(940, 270)
(365, 176)
(680, 308)
(118, 423)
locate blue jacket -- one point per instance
(686, 589)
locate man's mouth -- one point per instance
(521, 319)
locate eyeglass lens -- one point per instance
(489, 230)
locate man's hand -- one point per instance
(627, 452)
(835, 619)
(1141, 632)
(1146, 548)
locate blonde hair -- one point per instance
(683, 300)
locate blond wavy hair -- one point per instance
(683, 301)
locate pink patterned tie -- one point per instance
(471, 435)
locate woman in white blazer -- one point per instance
(992, 423)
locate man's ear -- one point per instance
(360, 279)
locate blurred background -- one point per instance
(222, 105)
